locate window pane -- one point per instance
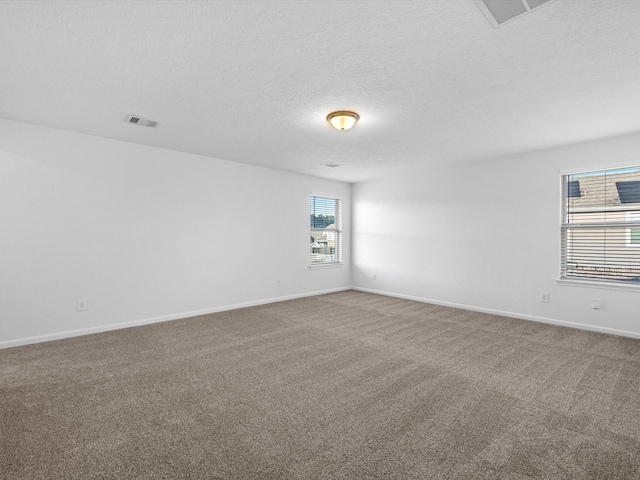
(601, 224)
(601, 253)
(326, 230)
(323, 212)
(603, 190)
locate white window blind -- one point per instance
(601, 226)
(326, 230)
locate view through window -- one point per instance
(326, 230)
(601, 226)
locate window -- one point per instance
(633, 234)
(601, 226)
(326, 230)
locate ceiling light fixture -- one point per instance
(343, 120)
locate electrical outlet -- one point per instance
(544, 297)
(278, 282)
(596, 303)
(81, 305)
(373, 276)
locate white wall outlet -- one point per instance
(544, 297)
(81, 305)
(278, 282)
(373, 276)
(596, 303)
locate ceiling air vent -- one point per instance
(330, 165)
(499, 12)
(143, 122)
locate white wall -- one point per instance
(144, 234)
(486, 236)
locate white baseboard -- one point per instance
(177, 316)
(146, 321)
(553, 321)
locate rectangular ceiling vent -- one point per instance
(143, 122)
(500, 12)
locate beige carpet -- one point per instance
(342, 386)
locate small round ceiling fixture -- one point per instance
(343, 120)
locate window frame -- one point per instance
(337, 231)
(566, 226)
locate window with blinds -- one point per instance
(601, 226)
(326, 230)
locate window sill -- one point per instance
(600, 285)
(324, 265)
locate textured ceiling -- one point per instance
(253, 81)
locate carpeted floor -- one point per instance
(341, 386)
